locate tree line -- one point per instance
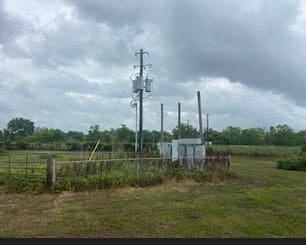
(21, 134)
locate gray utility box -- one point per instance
(188, 151)
(165, 149)
(137, 84)
(191, 153)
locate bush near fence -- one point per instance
(297, 162)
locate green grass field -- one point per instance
(260, 151)
(260, 202)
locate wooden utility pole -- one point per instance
(200, 117)
(179, 120)
(162, 123)
(141, 103)
(207, 127)
(141, 67)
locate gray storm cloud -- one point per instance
(10, 26)
(67, 65)
(248, 41)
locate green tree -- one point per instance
(167, 136)
(94, 133)
(75, 135)
(232, 135)
(252, 136)
(282, 135)
(156, 136)
(124, 135)
(20, 127)
(46, 135)
(214, 136)
(301, 137)
(106, 137)
(187, 131)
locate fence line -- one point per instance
(48, 167)
(23, 166)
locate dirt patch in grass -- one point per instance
(64, 196)
(181, 186)
(169, 185)
(252, 181)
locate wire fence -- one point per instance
(30, 167)
(128, 167)
(50, 167)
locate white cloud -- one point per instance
(231, 104)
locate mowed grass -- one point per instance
(261, 202)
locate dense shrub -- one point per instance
(303, 149)
(3, 152)
(74, 146)
(297, 162)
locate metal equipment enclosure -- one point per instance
(191, 153)
(188, 151)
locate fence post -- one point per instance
(9, 163)
(229, 161)
(53, 170)
(26, 165)
(49, 171)
(137, 168)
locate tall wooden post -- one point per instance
(49, 171)
(162, 124)
(179, 120)
(200, 118)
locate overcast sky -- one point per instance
(67, 64)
